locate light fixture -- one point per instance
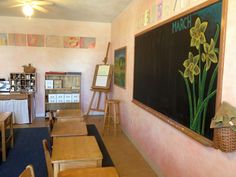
(28, 10)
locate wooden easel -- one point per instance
(98, 89)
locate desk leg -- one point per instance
(3, 142)
(56, 169)
(99, 163)
(11, 132)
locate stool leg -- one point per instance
(114, 118)
(109, 116)
(105, 117)
(118, 115)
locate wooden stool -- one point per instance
(111, 116)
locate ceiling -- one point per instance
(81, 10)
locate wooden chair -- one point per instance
(28, 172)
(47, 158)
(50, 122)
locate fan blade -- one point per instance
(41, 9)
(41, 3)
(18, 5)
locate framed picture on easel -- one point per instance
(102, 76)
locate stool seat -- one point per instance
(111, 114)
(112, 101)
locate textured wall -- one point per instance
(54, 59)
(170, 152)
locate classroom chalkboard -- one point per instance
(176, 66)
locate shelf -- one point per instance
(63, 103)
(23, 82)
(67, 83)
(62, 89)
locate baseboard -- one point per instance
(40, 115)
(155, 169)
(96, 113)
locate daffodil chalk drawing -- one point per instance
(196, 74)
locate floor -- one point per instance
(128, 161)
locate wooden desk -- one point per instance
(76, 151)
(5, 122)
(69, 113)
(69, 128)
(89, 172)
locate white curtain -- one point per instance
(19, 108)
(21, 113)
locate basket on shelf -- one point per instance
(224, 124)
(29, 69)
(225, 139)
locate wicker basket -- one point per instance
(29, 69)
(225, 139)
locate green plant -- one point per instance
(197, 69)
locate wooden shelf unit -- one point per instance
(63, 96)
(23, 82)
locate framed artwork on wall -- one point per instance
(120, 67)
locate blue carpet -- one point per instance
(28, 149)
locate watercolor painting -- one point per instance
(71, 42)
(120, 67)
(87, 42)
(17, 39)
(35, 40)
(3, 39)
(54, 41)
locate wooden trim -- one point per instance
(176, 125)
(222, 52)
(125, 47)
(199, 138)
(193, 9)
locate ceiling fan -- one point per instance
(28, 6)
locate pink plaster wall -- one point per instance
(170, 152)
(54, 59)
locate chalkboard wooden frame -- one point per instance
(164, 117)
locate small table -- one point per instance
(69, 114)
(89, 172)
(69, 128)
(76, 151)
(5, 122)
